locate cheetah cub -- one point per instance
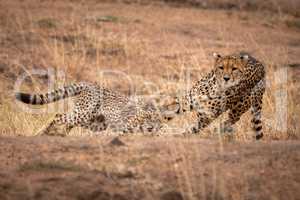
(235, 84)
(97, 108)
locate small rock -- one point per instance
(117, 142)
(126, 174)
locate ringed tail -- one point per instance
(55, 95)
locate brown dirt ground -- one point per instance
(153, 44)
(147, 168)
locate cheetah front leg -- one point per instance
(235, 114)
(203, 120)
(207, 112)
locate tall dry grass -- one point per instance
(154, 52)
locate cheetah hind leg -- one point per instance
(256, 121)
(96, 124)
(56, 127)
(256, 109)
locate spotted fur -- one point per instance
(235, 84)
(97, 108)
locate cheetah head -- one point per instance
(229, 69)
(148, 118)
(151, 122)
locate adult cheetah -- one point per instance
(236, 83)
(97, 108)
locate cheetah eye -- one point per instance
(221, 67)
(234, 68)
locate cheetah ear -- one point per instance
(244, 57)
(216, 55)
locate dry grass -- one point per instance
(48, 166)
(147, 168)
(152, 51)
(156, 52)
